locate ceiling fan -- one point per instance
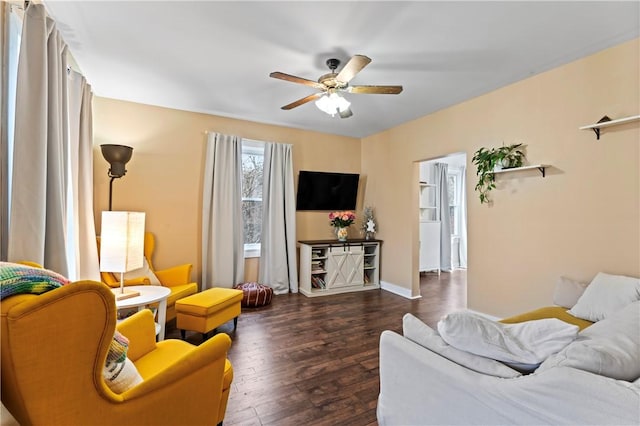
(331, 84)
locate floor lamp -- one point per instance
(117, 156)
(122, 246)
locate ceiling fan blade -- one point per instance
(353, 67)
(303, 101)
(299, 80)
(383, 90)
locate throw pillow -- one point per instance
(119, 373)
(610, 347)
(145, 271)
(528, 342)
(568, 291)
(605, 295)
(420, 333)
(121, 376)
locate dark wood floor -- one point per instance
(314, 361)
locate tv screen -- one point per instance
(327, 191)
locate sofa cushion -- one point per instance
(529, 342)
(568, 291)
(181, 291)
(610, 347)
(605, 295)
(420, 333)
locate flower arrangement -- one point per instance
(341, 219)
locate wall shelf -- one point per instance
(607, 122)
(540, 167)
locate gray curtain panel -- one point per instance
(462, 196)
(38, 214)
(222, 230)
(278, 240)
(443, 216)
(84, 264)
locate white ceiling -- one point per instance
(215, 57)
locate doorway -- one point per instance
(443, 214)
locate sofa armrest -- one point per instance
(201, 368)
(418, 386)
(140, 329)
(111, 281)
(178, 275)
(136, 281)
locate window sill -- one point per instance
(251, 252)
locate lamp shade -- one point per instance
(334, 103)
(117, 156)
(121, 241)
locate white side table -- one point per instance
(148, 294)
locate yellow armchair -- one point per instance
(177, 278)
(53, 349)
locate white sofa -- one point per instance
(581, 385)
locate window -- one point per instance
(252, 162)
(13, 22)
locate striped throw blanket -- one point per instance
(22, 279)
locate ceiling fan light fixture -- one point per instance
(333, 104)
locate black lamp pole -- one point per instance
(110, 190)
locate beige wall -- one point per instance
(584, 217)
(165, 173)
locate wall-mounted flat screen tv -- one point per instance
(327, 191)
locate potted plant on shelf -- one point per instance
(488, 161)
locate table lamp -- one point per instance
(122, 246)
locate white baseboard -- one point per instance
(396, 289)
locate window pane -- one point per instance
(451, 189)
(452, 219)
(252, 218)
(252, 164)
(252, 175)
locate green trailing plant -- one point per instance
(488, 160)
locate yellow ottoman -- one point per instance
(205, 311)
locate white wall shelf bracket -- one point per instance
(540, 167)
(607, 122)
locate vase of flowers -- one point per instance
(341, 221)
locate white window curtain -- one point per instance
(81, 243)
(278, 239)
(51, 214)
(443, 215)
(37, 228)
(462, 196)
(222, 230)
